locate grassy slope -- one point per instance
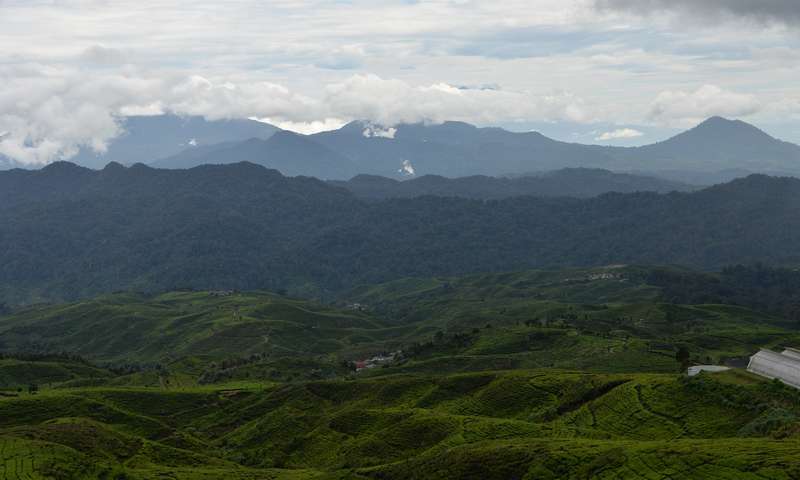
(569, 319)
(134, 328)
(18, 373)
(565, 319)
(565, 384)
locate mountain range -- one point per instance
(146, 138)
(69, 232)
(717, 150)
(568, 182)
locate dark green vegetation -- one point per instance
(570, 182)
(610, 319)
(529, 375)
(68, 232)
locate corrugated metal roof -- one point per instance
(771, 364)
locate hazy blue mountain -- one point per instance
(147, 138)
(7, 163)
(290, 153)
(729, 148)
(570, 182)
(716, 150)
(455, 149)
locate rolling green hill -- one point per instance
(607, 319)
(493, 425)
(156, 328)
(530, 375)
(612, 319)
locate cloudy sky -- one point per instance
(594, 71)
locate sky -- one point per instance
(617, 72)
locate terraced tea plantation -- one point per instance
(521, 424)
(537, 375)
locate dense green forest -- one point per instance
(68, 232)
(567, 182)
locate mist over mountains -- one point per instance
(70, 232)
(716, 150)
(146, 138)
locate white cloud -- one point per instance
(49, 115)
(407, 169)
(305, 128)
(619, 134)
(51, 112)
(686, 108)
(377, 131)
(100, 55)
(312, 65)
(391, 102)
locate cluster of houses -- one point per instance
(357, 307)
(596, 276)
(604, 276)
(221, 293)
(784, 366)
(377, 361)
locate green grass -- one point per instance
(17, 373)
(165, 328)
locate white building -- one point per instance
(695, 370)
(784, 366)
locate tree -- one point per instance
(682, 356)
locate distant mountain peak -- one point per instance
(113, 167)
(716, 119)
(369, 129)
(719, 125)
(63, 167)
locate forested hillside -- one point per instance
(68, 232)
(568, 182)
